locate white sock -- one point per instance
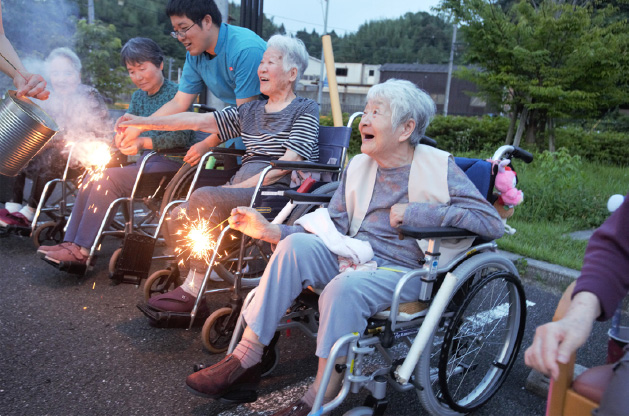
(193, 281)
(12, 207)
(28, 212)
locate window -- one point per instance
(371, 72)
(341, 72)
(477, 102)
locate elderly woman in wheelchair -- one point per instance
(394, 181)
(283, 127)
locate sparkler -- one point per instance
(95, 156)
(13, 66)
(197, 240)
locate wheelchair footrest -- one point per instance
(167, 319)
(18, 230)
(69, 266)
(134, 259)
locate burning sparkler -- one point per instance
(197, 239)
(94, 156)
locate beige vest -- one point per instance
(428, 182)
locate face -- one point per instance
(146, 76)
(63, 76)
(273, 79)
(386, 145)
(195, 39)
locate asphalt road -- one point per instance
(78, 346)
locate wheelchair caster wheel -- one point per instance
(113, 275)
(49, 233)
(215, 335)
(161, 281)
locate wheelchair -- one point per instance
(244, 259)
(454, 356)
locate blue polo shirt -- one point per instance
(232, 73)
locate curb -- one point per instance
(547, 274)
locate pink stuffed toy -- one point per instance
(509, 196)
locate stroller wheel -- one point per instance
(161, 281)
(48, 234)
(215, 334)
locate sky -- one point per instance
(344, 16)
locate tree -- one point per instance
(545, 61)
(99, 50)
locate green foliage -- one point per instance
(99, 50)
(560, 59)
(606, 147)
(457, 134)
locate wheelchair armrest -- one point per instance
(424, 233)
(288, 165)
(308, 198)
(204, 108)
(227, 151)
(174, 150)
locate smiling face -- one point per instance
(273, 79)
(63, 76)
(387, 145)
(196, 38)
(146, 76)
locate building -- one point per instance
(433, 80)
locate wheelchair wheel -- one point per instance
(480, 347)
(48, 234)
(161, 281)
(178, 186)
(442, 366)
(215, 335)
(112, 262)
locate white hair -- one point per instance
(407, 102)
(293, 51)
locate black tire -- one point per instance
(113, 260)
(48, 234)
(214, 335)
(161, 281)
(178, 186)
(470, 275)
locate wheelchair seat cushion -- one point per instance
(593, 382)
(407, 311)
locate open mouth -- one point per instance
(368, 136)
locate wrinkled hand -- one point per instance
(33, 86)
(396, 217)
(555, 342)
(130, 146)
(250, 222)
(196, 151)
(121, 124)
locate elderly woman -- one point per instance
(282, 127)
(79, 111)
(394, 181)
(144, 60)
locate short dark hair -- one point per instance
(194, 10)
(138, 50)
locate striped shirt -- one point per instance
(268, 135)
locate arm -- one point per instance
(182, 121)
(27, 84)
(252, 223)
(272, 176)
(557, 341)
(467, 209)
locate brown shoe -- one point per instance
(298, 408)
(224, 378)
(44, 250)
(70, 253)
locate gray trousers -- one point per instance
(347, 300)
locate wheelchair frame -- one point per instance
(451, 288)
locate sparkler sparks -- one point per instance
(95, 156)
(197, 240)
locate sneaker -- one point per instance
(177, 300)
(71, 253)
(44, 250)
(227, 377)
(298, 408)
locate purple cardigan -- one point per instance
(605, 271)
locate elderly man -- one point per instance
(383, 188)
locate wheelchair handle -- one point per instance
(508, 151)
(425, 233)
(204, 108)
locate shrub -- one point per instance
(603, 147)
(457, 134)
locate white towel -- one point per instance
(353, 253)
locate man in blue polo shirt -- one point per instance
(219, 56)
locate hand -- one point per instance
(131, 145)
(129, 120)
(396, 217)
(252, 223)
(196, 151)
(33, 86)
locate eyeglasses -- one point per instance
(181, 33)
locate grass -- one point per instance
(544, 241)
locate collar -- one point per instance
(222, 39)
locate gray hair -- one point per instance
(407, 102)
(294, 53)
(68, 54)
(140, 50)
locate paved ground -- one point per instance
(78, 346)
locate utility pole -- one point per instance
(325, 32)
(447, 98)
(170, 68)
(90, 12)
